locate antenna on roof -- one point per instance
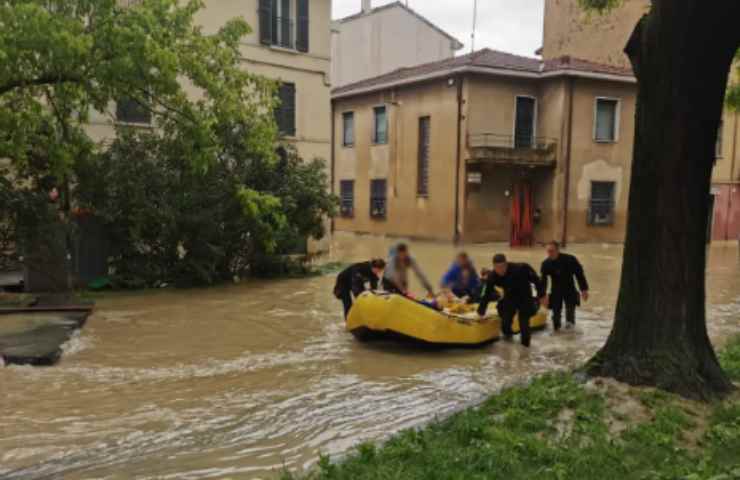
(475, 24)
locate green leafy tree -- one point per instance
(682, 53)
(210, 150)
(170, 222)
(62, 59)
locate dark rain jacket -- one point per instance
(354, 278)
(517, 287)
(563, 271)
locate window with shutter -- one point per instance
(283, 26)
(347, 198)
(601, 210)
(348, 129)
(422, 188)
(284, 23)
(285, 111)
(265, 21)
(302, 26)
(130, 111)
(378, 206)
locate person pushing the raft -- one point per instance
(516, 280)
(353, 280)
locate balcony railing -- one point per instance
(513, 149)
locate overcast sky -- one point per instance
(513, 26)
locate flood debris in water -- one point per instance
(33, 333)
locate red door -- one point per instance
(522, 216)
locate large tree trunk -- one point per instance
(681, 53)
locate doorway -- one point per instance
(522, 215)
(524, 126)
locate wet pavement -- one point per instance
(239, 381)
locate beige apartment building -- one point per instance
(486, 147)
(290, 42)
(568, 30)
(376, 41)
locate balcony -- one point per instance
(497, 149)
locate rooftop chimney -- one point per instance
(366, 6)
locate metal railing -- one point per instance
(497, 140)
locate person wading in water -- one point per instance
(353, 280)
(516, 280)
(562, 268)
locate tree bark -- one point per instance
(681, 52)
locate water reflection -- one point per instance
(241, 380)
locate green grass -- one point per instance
(557, 428)
(729, 357)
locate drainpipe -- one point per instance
(395, 126)
(567, 160)
(458, 155)
(332, 175)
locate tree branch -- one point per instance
(48, 79)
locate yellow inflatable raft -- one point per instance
(377, 316)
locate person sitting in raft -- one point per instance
(461, 279)
(395, 278)
(353, 280)
(516, 280)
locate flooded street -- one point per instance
(239, 381)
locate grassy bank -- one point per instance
(561, 428)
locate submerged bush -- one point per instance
(170, 222)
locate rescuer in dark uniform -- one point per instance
(352, 280)
(562, 268)
(516, 280)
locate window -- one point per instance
(601, 211)
(606, 123)
(378, 189)
(347, 198)
(525, 122)
(284, 23)
(720, 132)
(130, 111)
(285, 110)
(422, 188)
(380, 131)
(348, 123)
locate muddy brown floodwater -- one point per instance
(240, 381)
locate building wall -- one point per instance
(726, 188)
(492, 103)
(408, 214)
(726, 220)
(309, 71)
(569, 30)
(370, 45)
(491, 108)
(593, 161)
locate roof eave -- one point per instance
(499, 72)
